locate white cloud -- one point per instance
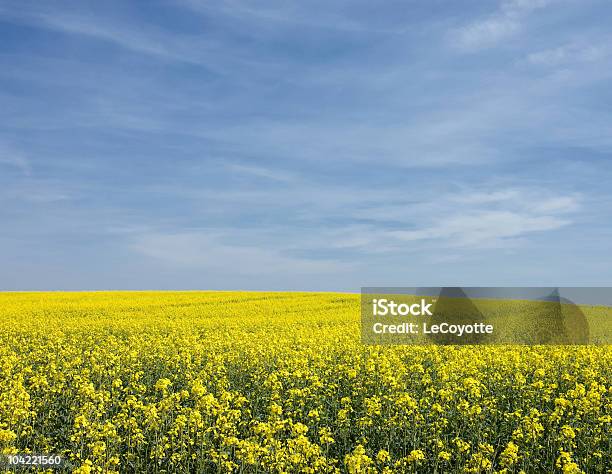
(466, 219)
(210, 253)
(487, 197)
(486, 32)
(146, 40)
(523, 199)
(334, 16)
(261, 172)
(505, 22)
(491, 218)
(12, 157)
(59, 20)
(372, 220)
(482, 228)
(571, 53)
(433, 141)
(561, 204)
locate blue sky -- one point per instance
(314, 145)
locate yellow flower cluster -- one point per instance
(280, 382)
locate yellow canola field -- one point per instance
(280, 382)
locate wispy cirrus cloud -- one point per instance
(475, 218)
(197, 48)
(68, 22)
(261, 172)
(483, 229)
(335, 16)
(502, 24)
(325, 137)
(208, 252)
(369, 222)
(11, 156)
(572, 53)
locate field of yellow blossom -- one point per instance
(280, 382)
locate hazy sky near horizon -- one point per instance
(308, 145)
